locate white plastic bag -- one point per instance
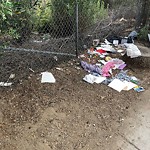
(132, 50)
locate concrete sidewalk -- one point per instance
(134, 134)
(145, 51)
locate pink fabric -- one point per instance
(106, 68)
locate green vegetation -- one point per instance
(15, 18)
(143, 34)
(90, 12)
(19, 18)
(56, 17)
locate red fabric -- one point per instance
(101, 51)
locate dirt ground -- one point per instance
(69, 114)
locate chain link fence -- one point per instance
(58, 27)
(40, 26)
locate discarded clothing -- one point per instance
(108, 48)
(107, 81)
(119, 64)
(123, 76)
(133, 34)
(90, 67)
(112, 38)
(104, 63)
(119, 40)
(124, 40)
(101, 51)
(121, 67)
(106, 68)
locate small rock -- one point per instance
(78, 68)
(12, 76)
(60, 69)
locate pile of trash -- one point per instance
(102, 62)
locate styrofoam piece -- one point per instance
(47, 77)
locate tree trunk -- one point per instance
(142, 13)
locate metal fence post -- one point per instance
(100, 3)
(77, 27)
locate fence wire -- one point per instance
(47, 26)
(53, 26)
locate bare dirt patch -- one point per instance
(69, 114)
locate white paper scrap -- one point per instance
(5, 84)
(94, 79)
(102, 56)
(129, 85)
(107, 42)
(115, 42)
(98, 48)
(47, 77)
(120, 50)
(103, 62)
(108, 48)
(98, 64)
(117, 85)
(99, 79)
(134, 78)
(89, 78)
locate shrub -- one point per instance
(15, 16)
(143, 34)
(57, 17)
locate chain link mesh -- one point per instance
(42, 25)
(54, 25)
